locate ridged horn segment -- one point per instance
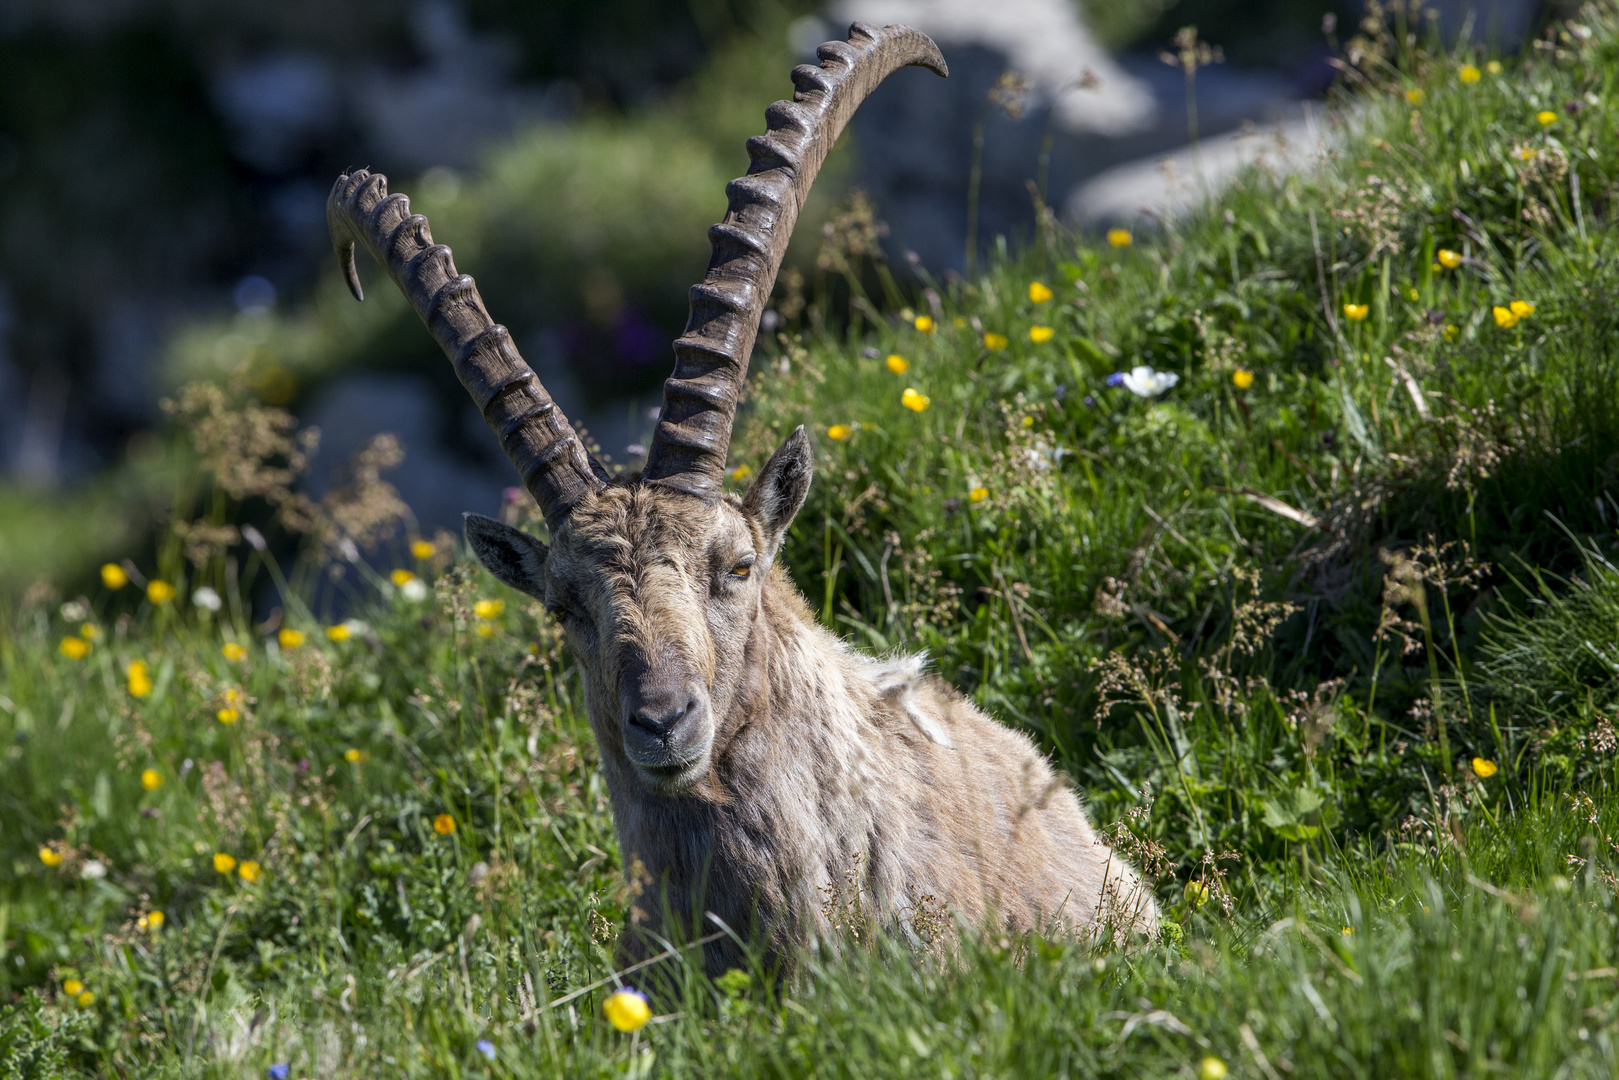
(536, 436)
(711, 357)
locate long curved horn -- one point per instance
(711, 357)
(552, 462)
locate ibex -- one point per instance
(757, 765)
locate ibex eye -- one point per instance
(742, 569)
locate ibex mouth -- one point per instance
(676, 777)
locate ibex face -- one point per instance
(657, 578)
(658, 592)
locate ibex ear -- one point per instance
(775, 497)
(512, 555)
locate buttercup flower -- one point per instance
(228, 715)
(1415, 95)
(74, 648)
(353, 755)
(250, 871)
(898, 364)
(159, 592)
(1120, 237)
(925, 323)
(1522, 308)
(152, 920)
(741, 472)
(996, 341)
(72, 987)
(422, 549)
(49, 856)
(1450, 260)
(140, 680)
(1242, 378)
(444, 824)
(1039, 293)
(151, 779)
(89, 631)
(1144, 382)
(1484, 768)
(485, 628)
(1493, 67)
(1211, 1068)
(978, 494)
(839, 432)
(1504, 317)
(1040, 334)
(233, 652)
(223, 864)
(1546, 117)
(114, 576)
(1468, 74)
(401, 577)
(488, 609)
(913, 400)
(1450, 331)
(288, 638)
(340, 632)
(1357, 312)
(86, 999)
(627, 1009)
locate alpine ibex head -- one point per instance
(657, 577)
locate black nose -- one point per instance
(660, 719)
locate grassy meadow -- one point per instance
(1325, 628)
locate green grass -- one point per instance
(1406, 839)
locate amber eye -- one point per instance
(742, 569)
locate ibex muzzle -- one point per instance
(755, 762)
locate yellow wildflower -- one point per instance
(1416, 95)
(1546, 117)
(925, 323)
(422, 549)
(959, 322)
(444, 824)
(1346, 931)
(140, 680)
(152, 920)
(49, 856)
(1450, 260)
(1504, 317)
(1120, 238)
(1196, 893)
(1468, 74)
(151, 779)
(1028, 421)
(913, 400)
(898, 364)
(89, 631)
(227, 716)
(223, 864)
(86, 999)
(1211, 1068)
(250, 871)
(340, 632)
(72, 987)
(1493, 67)
(234, 652)
(1484, 768)
(741, 473)
(114, 576)
(1522, 308)
(627, 1009)
(1357, 312)
(1450, 331)
(978, 494)
(1242, 378)
(159, 592)
(288, 638)
(839, 432)
(485, 628)
(74, 648)
(353, 755)
(996, 341)
(402, 577)
(1041, 334)
(488, 609)
(1039, 293)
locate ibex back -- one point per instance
(760, 769)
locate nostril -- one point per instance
(659, 721)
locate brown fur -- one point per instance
(820, 767)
